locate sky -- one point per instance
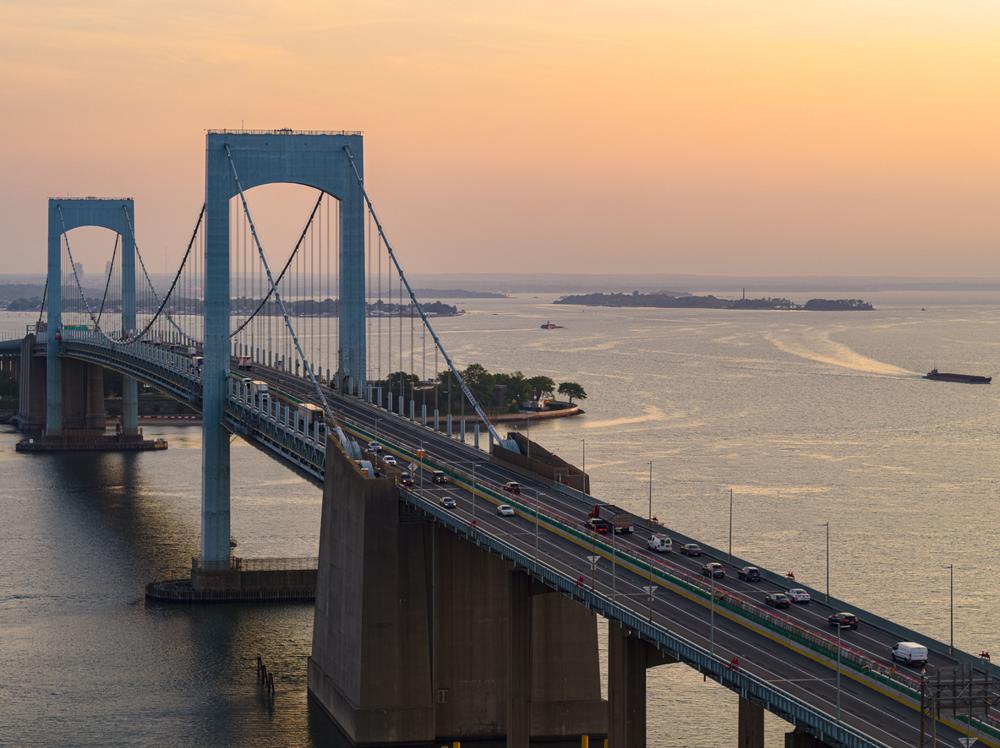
(757, 137)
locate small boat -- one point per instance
(551, 326)
(943, 376)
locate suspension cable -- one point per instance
(111, 268)
(41, 309)
(274, 288)
(413, 298)
(142, 264)
(284, 270)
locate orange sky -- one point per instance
(695, 136)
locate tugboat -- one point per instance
(942, 376)
(551, 326)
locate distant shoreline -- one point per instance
(672, 300)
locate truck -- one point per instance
(245, 363)
(307, 416)
(620, 521)
(259, 394)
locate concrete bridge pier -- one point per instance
(421, 635)
(751, 724)
(31, 388)
(628, 659)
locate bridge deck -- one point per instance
(788, 655)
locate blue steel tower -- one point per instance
(116, 215)
(315, 159)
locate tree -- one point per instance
(572, 390)
(541, 386)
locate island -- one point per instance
(672, 300)
(504, 396)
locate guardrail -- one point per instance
(780, 702)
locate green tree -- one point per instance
(572, 390)
(541, 386)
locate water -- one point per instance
(810, 417)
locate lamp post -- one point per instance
(583, 480)
(538, 513)
(730, 525)
(650, 525)
(951, 608)
(827, 526)
(838, 670)
(711, 620)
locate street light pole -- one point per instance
(583, 480)
(711, 624)
(730, 525)
(951, 606)
(838, 671)
(827, 524)
(538, 507)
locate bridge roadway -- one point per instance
(872, 713)
(875, 713)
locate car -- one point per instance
(512, 487)
(713, 569)
(389, 460)
(405, 479)
(598, 525)
(749, 574)
(448, 502)
(778, 600)
(798, 595)
(374, 447)
(909, 653)
(691, 549)
(438, 477)
(505, 510)
(660, 543)
(843, 620)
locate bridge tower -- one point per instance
(314, 159)
(66, 214)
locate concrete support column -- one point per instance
(352, 313)
(95, 398)
(475, 435)
(626, 689)
(751, 725)
(519, 661)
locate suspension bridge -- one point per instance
(436, 616)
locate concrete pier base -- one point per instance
(751, 725)
(628, 659)
(420, 635)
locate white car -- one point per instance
(389, 460)
(505, 510)
(798, 595)
(660, 543)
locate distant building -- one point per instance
(68, 278)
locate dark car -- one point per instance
(405, 479)
(778, 600)
(691, 549)
(749, 574)
(713, 569)
(843, 620)
(512, 487)
(439, 478)
(448, 502)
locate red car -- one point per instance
(598, 525)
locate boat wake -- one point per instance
(817, 345)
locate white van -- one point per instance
(910, 653)
(660, 543)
